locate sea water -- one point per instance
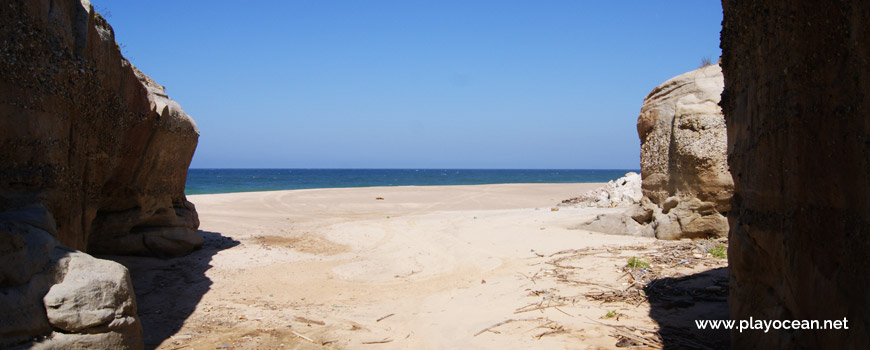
(204, 181)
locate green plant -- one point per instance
(610, 314)
(635, 262)
(719, 251)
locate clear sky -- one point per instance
(415, 84)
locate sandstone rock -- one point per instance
(796, 104)
(692, 219)
(93, 293)
(643, 212)
(29, 265)
(25, 243)
(683, 141)
(70, 298)
(95, 158)
(666, 226)
(617, 224)
(685, 184)
(683, 156)
(90, 138)
(670, 203)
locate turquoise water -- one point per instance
(203, 181)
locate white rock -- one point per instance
(622, 192)
(93, 293)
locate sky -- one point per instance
(415, 84)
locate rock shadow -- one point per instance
(168, 290)
(677, 302)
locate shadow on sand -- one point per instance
(676, 302)
(168, 290)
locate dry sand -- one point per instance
(423, 268)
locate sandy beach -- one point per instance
(430, 267)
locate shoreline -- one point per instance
(211, 181)
(599, 184)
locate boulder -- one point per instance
(68, 299)
(683, 141)
(688, 219)
(797, 109)
(620, 223)
(93, 293)
(683, 157)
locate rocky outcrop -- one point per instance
(683, 141)
(686, 187)
(95, 158)
(797, 109)
(683, 157)
(83, 132)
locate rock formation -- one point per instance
(797, 79)
(686, 185)
(682, 157)
(95, 158)
(682, 140)
(623, 193)
(84, 133)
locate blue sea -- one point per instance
(204, 181)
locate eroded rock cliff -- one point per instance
(94, 158)
(85, 133)
(797, 78)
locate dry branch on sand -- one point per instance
(509, 321)
(383, 318)
(652, 271)
(309, 321)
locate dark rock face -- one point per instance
(94, 157)
(87, 135)
(797, 79)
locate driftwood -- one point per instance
(555, 331)
(626, 332)
(506, 322)
(541, 307)
(308, 320)
(383, 318)
(303, 337)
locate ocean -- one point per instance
(205, 181)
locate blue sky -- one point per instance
(415, 84)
